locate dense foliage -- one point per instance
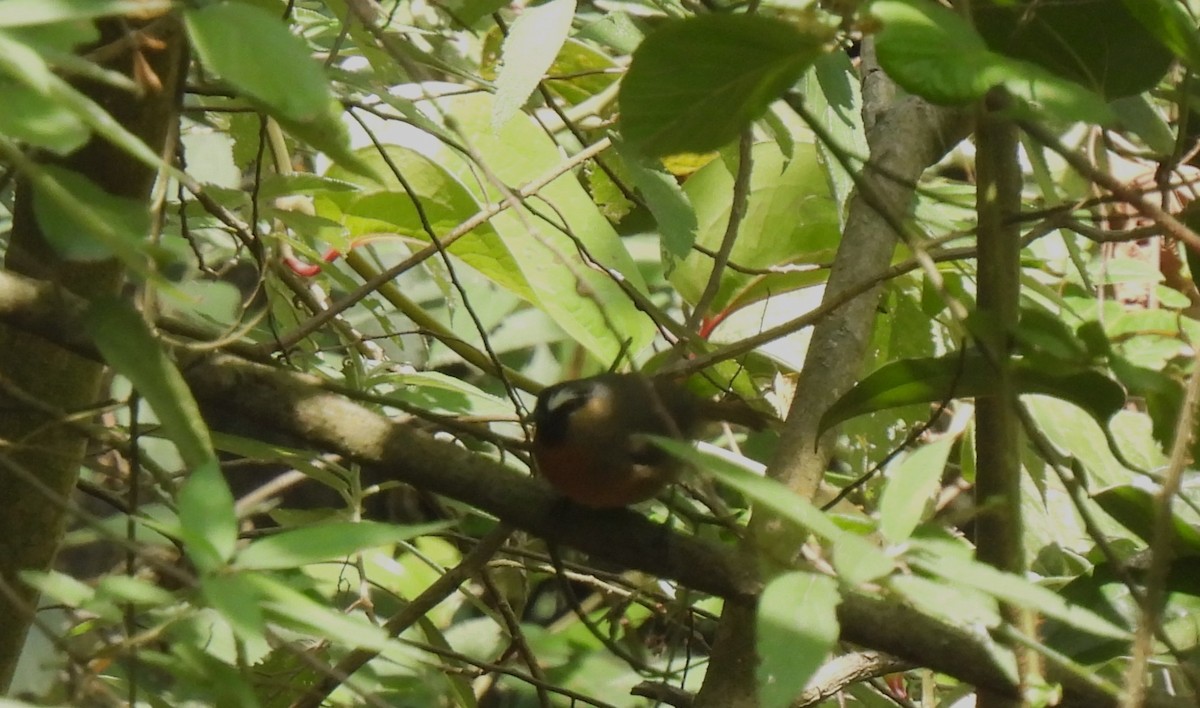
(949, 245)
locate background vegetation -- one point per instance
(281, 280)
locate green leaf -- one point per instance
(1162, 395)
(254, 51)
(127, 589)
(298, 547)
(935, 53)
(533, 42)
(932, 557)
(36, 119)
(672, 210)
(27, 67)
(1095, 43)
(694, 84)
(297, 611)
(238, 600)
(123, 338)
(911, 487)
(797, 628)
(207, 521)
(967, 375)
(791, 220)
(85, 223)
(445, 202)
(582, 299)
(1170, 24)
(20, 13)
(59, 586)
(1045, 335)
(1135, 509)
(856, 559)
(834, 97)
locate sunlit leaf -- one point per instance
(207, 522)
(534, 40)
(336, 541)
(910, 489)
(930, 557)
(797, 628)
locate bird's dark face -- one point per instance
(561, 405)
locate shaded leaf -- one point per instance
(1134, 508)
(1095, 43)
(85, 223)
(254, 51)
(18, 13)
(238, 601)
(1169, 23)
(968, 375)
(36, 119)
(296, 610)
(934, 52)
(673, 212)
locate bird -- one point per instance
(589, 433)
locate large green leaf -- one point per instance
(797, 628)
(254, 51)
(968, 375)
(935, 53)
(912, 486)
(694, 84)
(207, 521)
(674, 215)
(938, 559)
(39, 120)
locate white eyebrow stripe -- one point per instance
(560, 398)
